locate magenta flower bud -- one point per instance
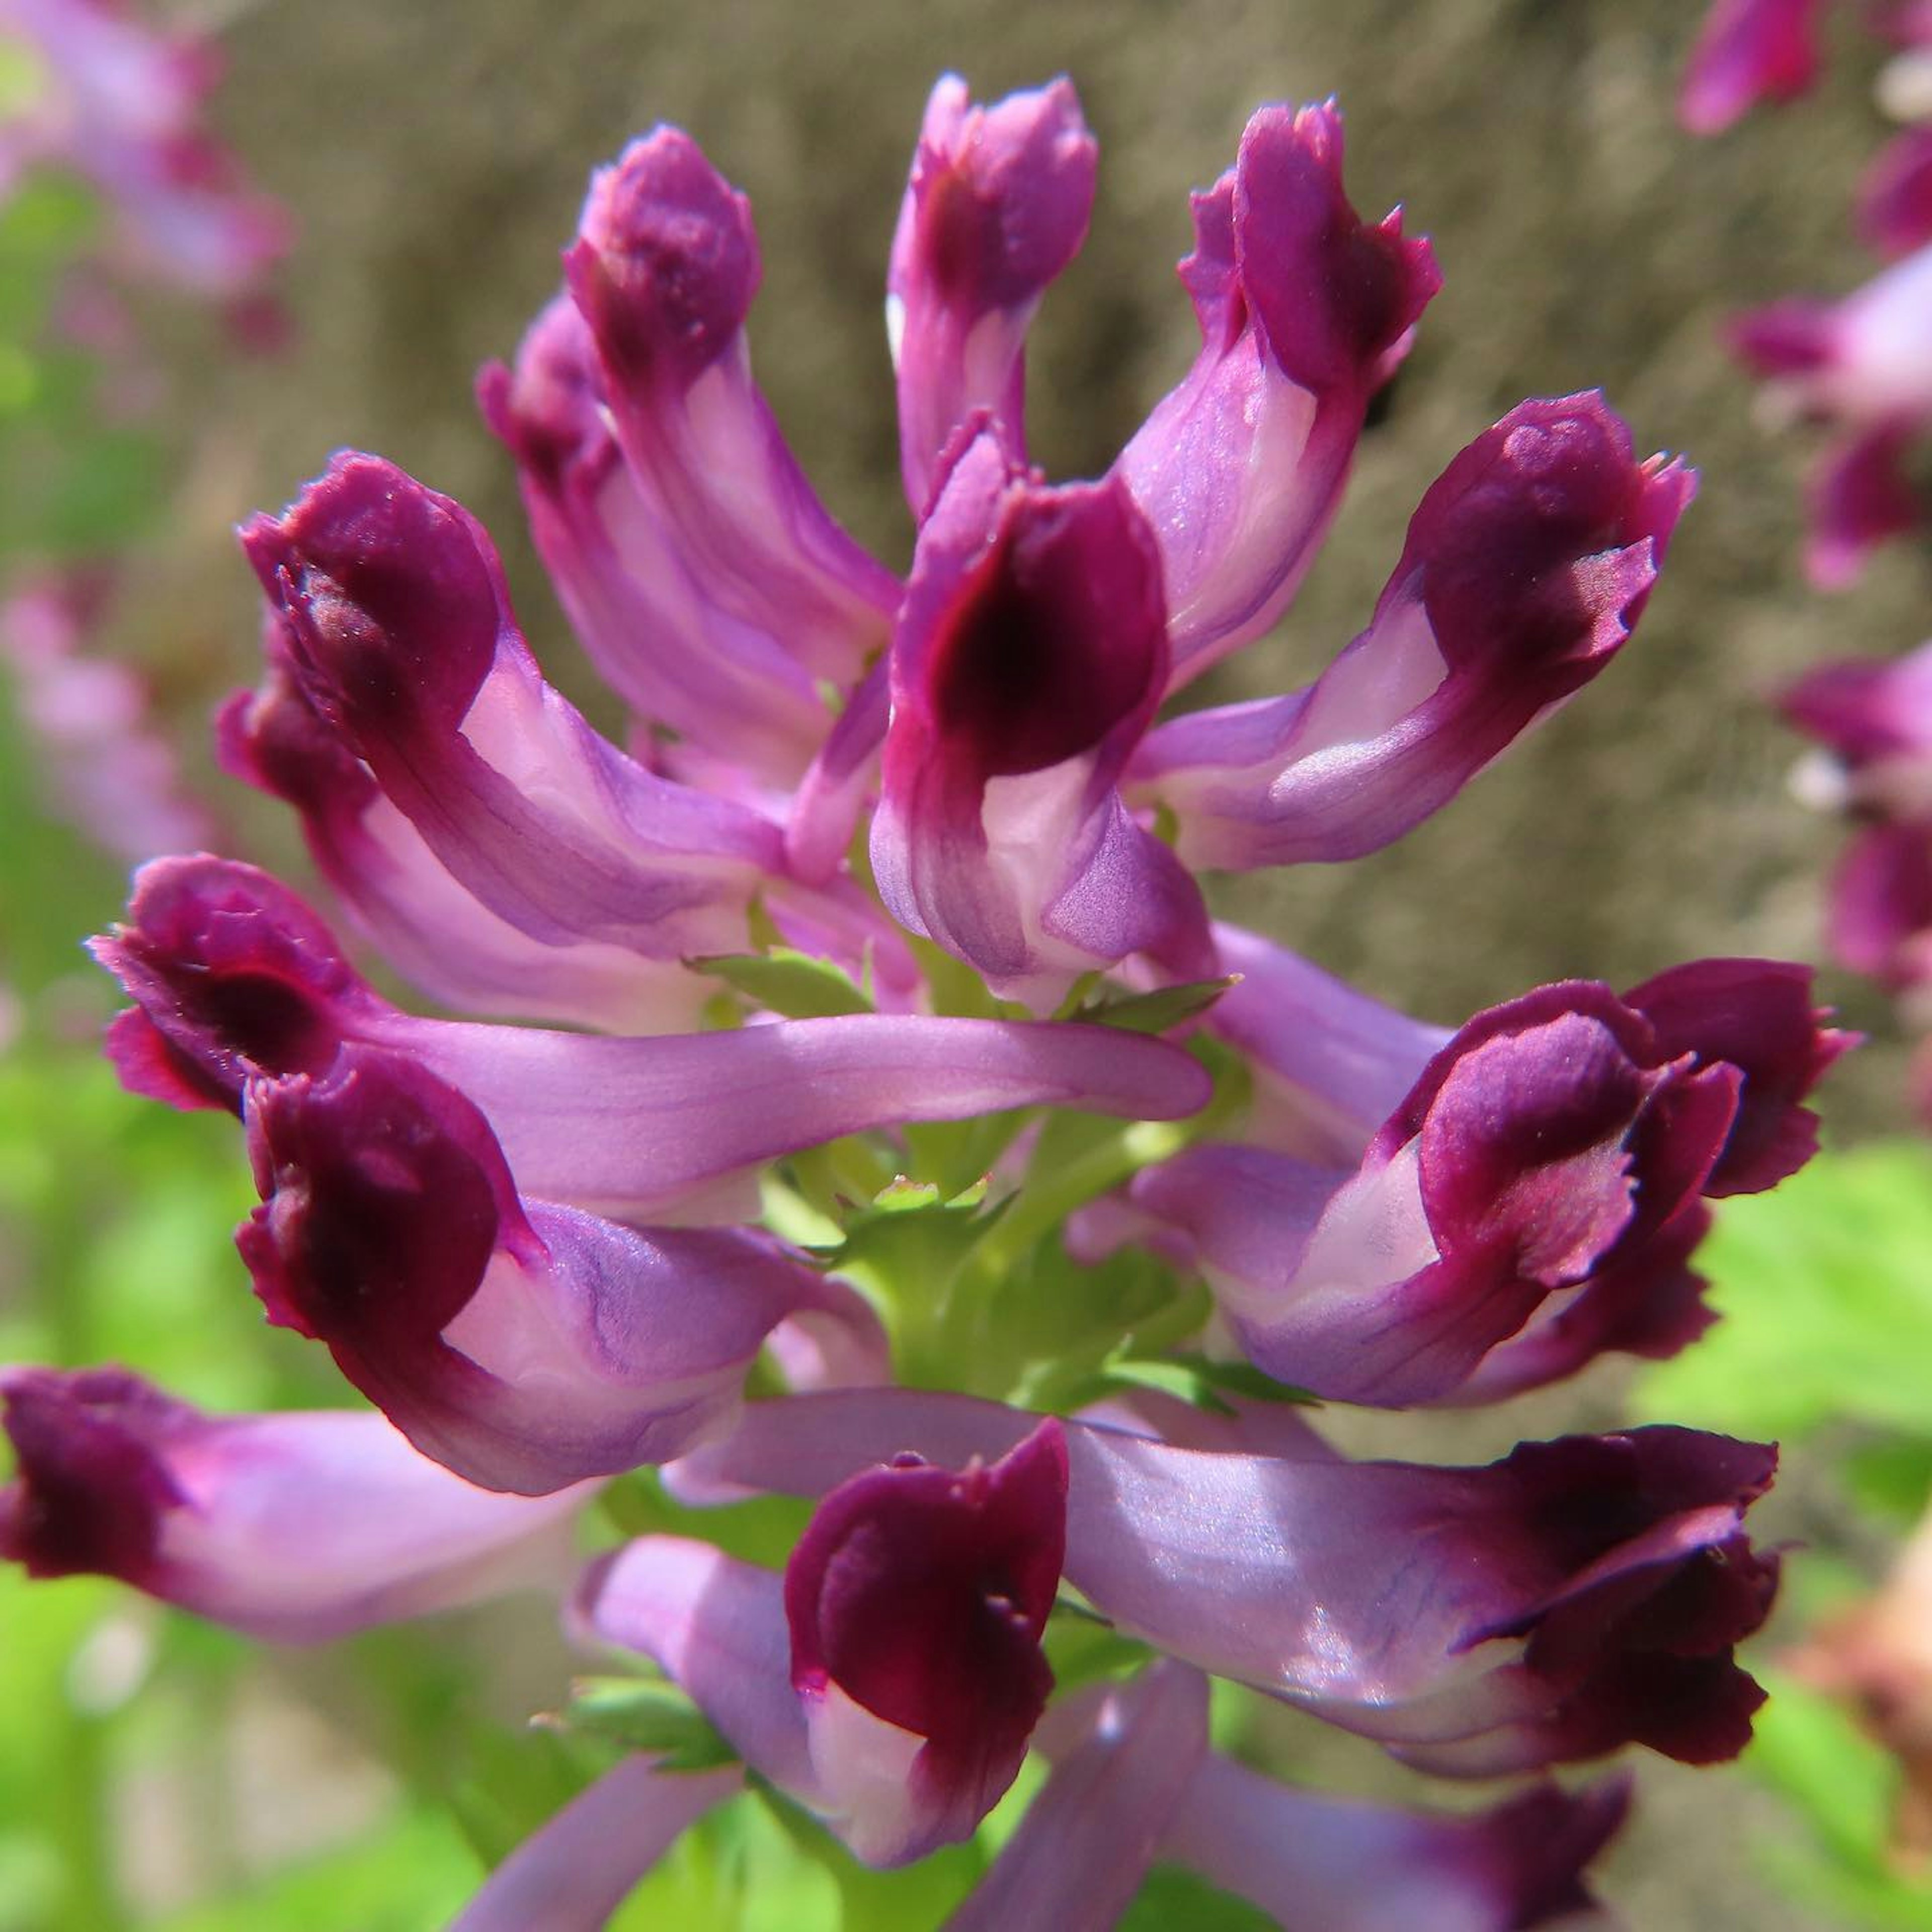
(1306, 310)
(1749, 51)
(917, 1601)
(677, 657)
(996, 206)
(663, 270)
(1030, 658)
(1527, 566)
(524, 1345)
(1531, 1200)
(294, 1527)
(234, 978)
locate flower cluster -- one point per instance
(1860, 364)
(898, 1132)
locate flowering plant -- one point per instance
(900, 1134)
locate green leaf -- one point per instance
(783, 981)
(1824, 1287)
(1846, 1787)
(647, 1714)
(1156, 1012)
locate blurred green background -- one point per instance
(433, 153)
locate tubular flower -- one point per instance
(780, 1198)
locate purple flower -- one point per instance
(234, 979)
(1030, 657)
(526, 1345)
(1527, 566)
(892, 1679)
(996, 206)
(917, 1601)
(293, 1527)
(1575, 1596)
(1306, 310)
(670, 1225)
(1532, 1199)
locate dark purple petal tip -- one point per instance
(391, 595)
(666, 262)
(92, 1487)
(233, 976)
(922, 1593)
(1055, 637)
(1757, 1015)
(1334, 293)
(384, 1196)
(1001, 195)
(1541, 542)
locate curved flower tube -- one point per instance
(293, 1527)
(1577, 1596)
(996, 206)
(233, 977)
(663, 271)
(572, 1874)
(525, 1345)
(655, 628)
(1088, 1840)
(1306, 310)
(1527, 566)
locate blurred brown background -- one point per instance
(434, 152)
